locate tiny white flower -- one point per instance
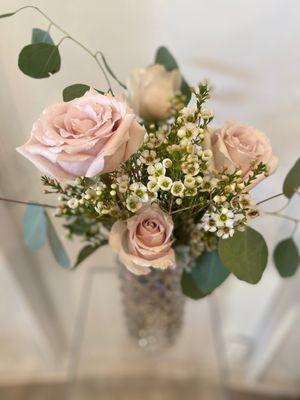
(167, 163)
(189, 181)
(207, 114)
(133, 204)
(123, 186)
(181, 133)
(157, 169)
(152, 186)
(177, 188)
(140, 191)
(73, 203)
(225, 232)
(113, 193)
(178, 201)
(164, 182)
(206, 155)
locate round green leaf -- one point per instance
(34, 227)
(286, 257)
(189, 287)
(39, 60)
(292, 181)
(245, 255)
(165, 58)
(73, 91)
(56, 245)
(209, 272)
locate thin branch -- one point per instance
(276, 214)
(270, 198)
(28, 203)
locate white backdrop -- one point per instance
(248, 49)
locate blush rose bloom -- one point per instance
(151, 91)
(144, 241)
(84, 137)
(236, 145)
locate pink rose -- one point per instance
(236, 145)
(144, 240)
(84, 137)
(151, 90)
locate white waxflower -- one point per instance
(219, 199)
(133, 204)
(209, 224)
(73, 203)
(206, 155)
(225, 232)
(207, 114)
(156, 169)
(190, 191)
(152, 196)
(178, 201)
(225, 218)
(164, 182)
(167, 163)
(152, 186)
(191, 168)
(177, 188)
(123, 186)
(90, 194)
(189, 181)
(140, 191)
(148, 157)
(199, 179)
(245, 201)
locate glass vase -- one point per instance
(153, 307)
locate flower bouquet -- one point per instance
(144, 171)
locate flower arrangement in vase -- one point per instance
(145, 172)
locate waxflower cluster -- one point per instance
(173, 170)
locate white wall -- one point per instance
(248, 49)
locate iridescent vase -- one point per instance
(153, 307)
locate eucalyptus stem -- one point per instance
(28, 203)
(68, 36)
(270, 198)
(276, 214)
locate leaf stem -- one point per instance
(270, 198)
(276, 214)
(30, 203)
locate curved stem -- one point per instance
(28, 203)
(68, 36)
(270, 198)
(276, 214)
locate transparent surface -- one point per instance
(190, 364)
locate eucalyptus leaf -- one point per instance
(86, 251)
(73, 91)
(292, 181)
(77, 90)
(34, 227)
(189, 287)
(209, 272)
(39, 60)
(41, 36)
(286, 257)
(245, 255)
(164, 57)
(56, 245)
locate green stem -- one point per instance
(28, 203)
(270, 198)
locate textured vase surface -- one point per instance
(153, 307)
